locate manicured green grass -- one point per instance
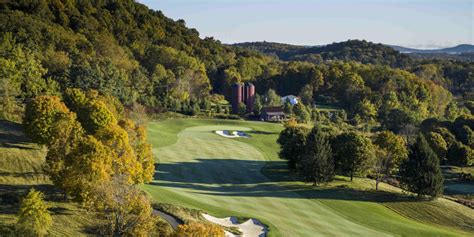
(244, 177)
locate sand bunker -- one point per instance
(250, 228)
(233, 134)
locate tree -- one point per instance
(242, 109)
(460, 155)
(421, 172)
(125, 207)
(257, 104)
(302, 114)
(466, 135)
(292, 142)
(90, 163)
(287, 108)
(125, 162)
(438, 144)
(396, 120)
(306, 95)
(366, 110)
(10, 79)
(41, 115)
(354, 153)
(138, 140)
(317, 164)
(390, 151)
(34, 218)
(271, 98)
(95, 116)
(196, 229)
(92, 111)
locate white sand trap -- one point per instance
(234, 134)
(250, 228)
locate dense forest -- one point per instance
(146, 60)
(127, 51)
(142, 57)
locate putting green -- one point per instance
(223, 176)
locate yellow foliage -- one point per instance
(89, 164)
(41, 114)
(199, 230)
(291, 122)
(124, 158)
(126, 208)
(143, 150)
(34, 218)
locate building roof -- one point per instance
(273, 109)
(277, 110)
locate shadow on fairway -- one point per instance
(231, 177)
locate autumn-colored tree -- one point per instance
(34, 218)
(41, 116)
(48, 121)
(196, 229)
(127, 210)
(143, 150)
(66, 135)
(124, 160)
(96, 116)
(75, 99)
(89, 164)
(92, 112)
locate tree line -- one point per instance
(318, 154)
(142, 57)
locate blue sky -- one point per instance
(417, 23)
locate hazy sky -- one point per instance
(417, 23)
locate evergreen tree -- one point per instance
(34, 218)
(317, 164)
(257, 104)
(242, 109)
(421, 173)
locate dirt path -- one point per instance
(173, 221)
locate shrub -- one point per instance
(199, 230)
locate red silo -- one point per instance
(237, 97)
(249, 96)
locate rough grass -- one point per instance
(21, 164)
(224, 177)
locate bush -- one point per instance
(199, 230)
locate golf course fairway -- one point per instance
(223, 177)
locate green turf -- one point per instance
(223, 176)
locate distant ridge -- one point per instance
(459, 49)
